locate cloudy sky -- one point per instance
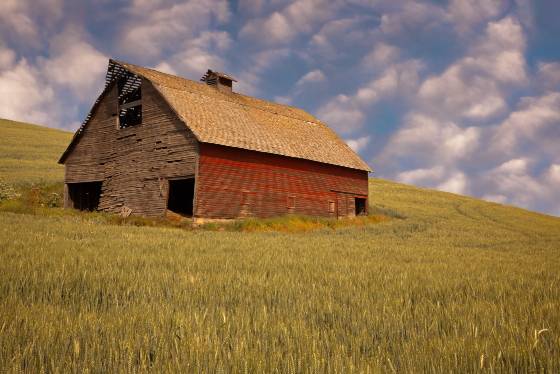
(462, 96)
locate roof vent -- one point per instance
(221, 81)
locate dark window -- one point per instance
(130, 116)
(181, 196)
(331, 206)
(130, 101)
(85, 196)
(360, 205)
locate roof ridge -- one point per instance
(317, 122)
(224, 96)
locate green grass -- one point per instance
(451, 284)
(28, 153)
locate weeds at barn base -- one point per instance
(45, 199)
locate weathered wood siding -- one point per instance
(134, 163)
(234, 182)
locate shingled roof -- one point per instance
(235, 120)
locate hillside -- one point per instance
(458, 285)
(28, 153)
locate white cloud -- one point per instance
(473, 86)
(7, 58)
(497, 198)
(39, 92)
(381, 55)
(515, 182)
(493, 104)
(195, 56)
(553, 176)
(337, 37)
(283, 100)
(164, 67)
(358, 144)
(25, 21)
(441, 152)
(412, 17)
(456, 183)
(407, 18)
(282, 26)
(421, 176)
(25, 96)
(500, 52)
(429, 141)
(513, 179)
(13, 14)
(386, 84)
(75, 64)
(448, 141)
(253, 7)
(515, 166)
(259, 63)
(265, 59)
(399, 78)
(313, 76)
(456, 92)
(466, 13)
(278, 29)
(342, 114)
(525, 13)
(438, 177)
(549, 74)
(346, 113)
(535, 121)
(160, 26)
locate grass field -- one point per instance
(458, 285)
(28, 153)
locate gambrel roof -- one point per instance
(235, 120)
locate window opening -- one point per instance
(130, 101)
(360, 204)
(181, 196)
(331, 206)
(85, 196)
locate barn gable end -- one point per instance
(135, 163)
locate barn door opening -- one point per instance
(360, 205)
(181, 196)
(84, 196)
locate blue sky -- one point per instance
(460, 95)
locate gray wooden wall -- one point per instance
(134, 163)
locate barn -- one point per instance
(155, 143)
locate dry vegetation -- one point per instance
(454, 285)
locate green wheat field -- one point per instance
(447, 284)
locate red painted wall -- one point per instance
(234, 182)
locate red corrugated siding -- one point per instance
(233, 182)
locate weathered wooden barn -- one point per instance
(155, 142)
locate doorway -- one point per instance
(84, 196)
(360, 204)
(181, 196)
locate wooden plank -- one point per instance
(130, 105)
